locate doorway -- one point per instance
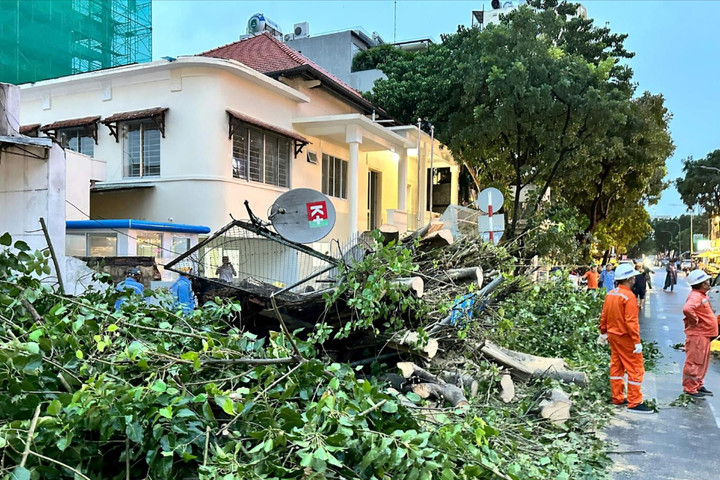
(373, 200)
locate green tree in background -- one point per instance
(701, 185)
(539, 100)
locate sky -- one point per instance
(677, 47)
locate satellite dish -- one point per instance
(303, 215)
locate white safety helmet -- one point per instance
(697, 276)
(625, 271)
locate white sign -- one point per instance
(490, 197)
(497, 224)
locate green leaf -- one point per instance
(79, 354)
(544, 460)
(225, 403)
(6, 240)
(389, 407)
(166, 412)
(35, 335)
(32, 347)
(55, 407)
(158, 386)
(20, 473)
(22, 246)
(112, 327)
(134, 432)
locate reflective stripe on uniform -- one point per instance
(616, 293)
(617, 378)
(634, 383)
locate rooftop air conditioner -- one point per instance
(301, 30)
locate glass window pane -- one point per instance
(69, 140)
(325, 174)
(343, 179)
(132, 151)
(75, 245)
(240, 152)
(149, 245)
(180, 245)
(337, 176)
(271, 160)
(151, 150)
(256, 154)
(284, 162)
(87, 145)
(102, 244)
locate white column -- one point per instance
(354, 138)
(402, 180)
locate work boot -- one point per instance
(705, 391)
(641, 408)
(698, 394)
(624, 402)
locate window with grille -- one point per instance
(77, 140)
(141, 148)
(261, 157)
(334, 176)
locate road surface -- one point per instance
(679, 442)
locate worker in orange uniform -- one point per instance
(701, 326)
(592, 277)
(619, 326)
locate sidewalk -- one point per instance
(678, 443)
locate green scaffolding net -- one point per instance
(42, 39)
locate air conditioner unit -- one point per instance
(287, 37)
(301, 30)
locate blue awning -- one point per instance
(135, 225)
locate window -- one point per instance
(149, 245)
(75, 245)
(141, 149)
(334, 176)
(77, 140)
(261, 157)
(102, 244)
(180, 245)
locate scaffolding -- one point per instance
(41, 39)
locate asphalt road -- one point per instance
(679, 442)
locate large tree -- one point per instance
(524, 102)
(701, 183)
(517, 101)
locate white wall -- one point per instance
(31, 188)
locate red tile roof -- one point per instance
(268, 55)
(135, 115)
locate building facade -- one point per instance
(189, 140)
(43, 39)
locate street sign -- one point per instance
(497, 224)
(490, 197)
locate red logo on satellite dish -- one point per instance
(317, 214)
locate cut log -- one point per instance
(421, 232)
(557, 407)
(389, 233)
(471, 273)
(414, 284)
(526, 366)
(462, 380)
(409, 369)
(441, 238)
(452, 394)
(508, 388)
(411, 339)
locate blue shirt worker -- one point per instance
(607, 277)
(182, 291)
(129, 286)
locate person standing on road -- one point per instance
(620, 328)
(670, 277)
(607, 277)
(592, 277)
(701, 326)
(639, 288)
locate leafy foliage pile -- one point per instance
(145, 393)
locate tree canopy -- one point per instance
(701, 183)
(540, 99)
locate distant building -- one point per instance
(42, 39)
